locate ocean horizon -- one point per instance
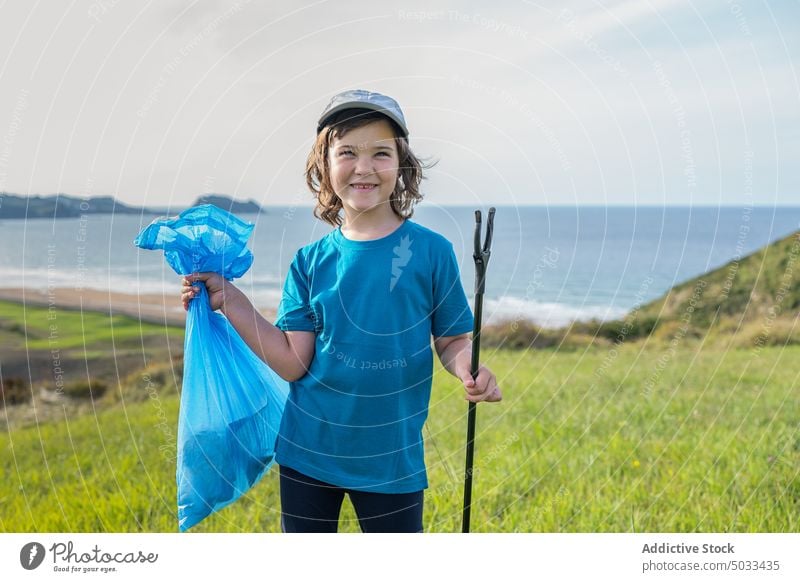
(550, 264)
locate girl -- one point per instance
(354, 326)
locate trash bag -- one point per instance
(231, 401)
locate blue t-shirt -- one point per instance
(355, 419)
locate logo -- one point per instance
(402, 254)
(31, 555)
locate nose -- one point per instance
(364, 164)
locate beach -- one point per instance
(151, 307)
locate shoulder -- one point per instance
(437, 247)
(307, 253)
(431, 238)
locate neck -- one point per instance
(370, 225)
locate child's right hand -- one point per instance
(220, 291)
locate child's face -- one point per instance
(364, 168)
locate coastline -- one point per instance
(153, 308)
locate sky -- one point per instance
(632, 102)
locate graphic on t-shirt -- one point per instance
(402, 254)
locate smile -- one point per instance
(364, 187)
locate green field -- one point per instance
(643, 437)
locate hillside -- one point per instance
(751, 301)
(64, 206)
(229, 204)
(57, 360)
(761, 288)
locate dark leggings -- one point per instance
(311, 506)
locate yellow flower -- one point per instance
(635, 463)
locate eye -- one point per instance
(345, 153)
(384, 154)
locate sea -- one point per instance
(549, 264)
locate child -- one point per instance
(353, 332)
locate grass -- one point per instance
(640, 437)
(43, 347)
(44, 329)
(683, 417)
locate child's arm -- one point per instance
(288, 353)
(455, 353)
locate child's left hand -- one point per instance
(484, 388)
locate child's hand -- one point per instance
(482, 389)
(220, 291)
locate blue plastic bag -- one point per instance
(231, 401)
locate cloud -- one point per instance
(547, 100)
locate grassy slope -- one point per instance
(34, 341)
(638, 439)
(738, 292)
(75, 329)
(755, 299)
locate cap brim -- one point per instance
(362, 105)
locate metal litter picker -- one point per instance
(481, 255)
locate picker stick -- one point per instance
(481, 255)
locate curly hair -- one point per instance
(406, 192)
